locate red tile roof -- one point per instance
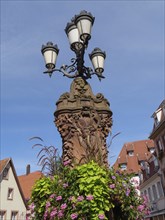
(27, 182)
(3, 164)
(141, 152)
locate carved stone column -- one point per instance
(84, 122)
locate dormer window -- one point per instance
(142, 163)
(151, 149)
(123, 166)
(130, 153)
(158, 116)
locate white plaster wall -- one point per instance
(17, 203)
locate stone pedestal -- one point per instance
(84, 121)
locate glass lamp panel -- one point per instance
(74, 39)
(84, 27)
(73, 36)
(50, 58)
(98, 63)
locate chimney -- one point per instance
(28, 169)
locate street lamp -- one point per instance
(79, 33)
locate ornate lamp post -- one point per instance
(83, 119)
(79, 34)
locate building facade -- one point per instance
(153, 175)
(151, 186)
(12, 202)
(158, 135)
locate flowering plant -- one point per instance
(87, 192)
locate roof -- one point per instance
(140, 151)
(4, 163)
(27, 182)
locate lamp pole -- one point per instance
(82, 119)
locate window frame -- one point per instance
(6, 176)
(15, 216)
(8, 193)
(4, 214)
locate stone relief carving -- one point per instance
(84, 122)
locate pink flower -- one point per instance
(48, 204)
(127, 192)
(52, 196)
(101, 216)
(112, 186)
(58, 198)
(140, 208)
(74, 216)
(80, 198)
(71, 198)
(65, 185)
(32, 206)
(60, 214)
(67, 162)
(45, 215)
(53, 213)
(89, 197)
(63, 206)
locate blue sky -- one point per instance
(131, 33)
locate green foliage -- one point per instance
(87, 192)
(40, 194)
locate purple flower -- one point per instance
(65, 185)
(80, 198)
(89, 197)
(47, 204)
(71, 198)
(45, 215)
(60, 214)
(140, 208)
(32, 206)
(127, 192)
(53, 213)
(113, 177)
(67, 162)
(58, 198)
(101, 216)
(73, 215)
(63, 206)
(52, 196)
(112, 186)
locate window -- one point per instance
(151, 149)
(160, 190)
(142, 163)
(155, 162)
(154, 192)
(130, 153)
(160, 145)
(10, 193)
(2, 215)
(123, 166)
(5, 173)
(149, 194)
(14, 215)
